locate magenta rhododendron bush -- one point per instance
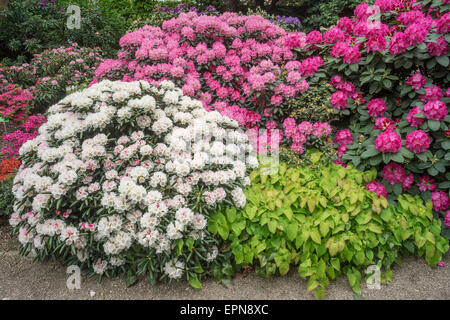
(388, 67)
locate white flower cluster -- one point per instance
(122, 164)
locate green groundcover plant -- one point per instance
(322, 220)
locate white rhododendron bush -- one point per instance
(122, 179)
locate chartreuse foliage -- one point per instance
(324, 221)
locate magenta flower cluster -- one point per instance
(376, 108)
(28, 131)
(417, 141)
(299, 133)
(440, 200)
(377, 187)
(394, 173)
(388, 141)
(346, 90)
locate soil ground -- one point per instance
(21, 278)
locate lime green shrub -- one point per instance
(324, 221)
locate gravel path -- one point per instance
(21, 278)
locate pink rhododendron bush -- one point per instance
(122, 178)
(240, 66)
(388, 65)
(52, 72)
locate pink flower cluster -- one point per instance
(435, 110)
(376, 107)
(447, 219)
(417, 141)
(440, 200)
(426, 183)
(416, 81)
(412, 29)
(388, 141)
(344, 137)
(345, 89)
(377, 187)
(299, 133)
(394, 173)
(17, 138)
(385, 124)
(14, 102)
(412, 120)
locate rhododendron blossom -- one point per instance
(388, 141)
(376, 108)
(377, 187)
(393, 173)
(339, 100)
(426, 183)
(237, 65)
(416, 81)
(435, 110)
(417, 141)
(447, 219)
(344, 137)
(414, 121)
(440, 200)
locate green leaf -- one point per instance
(179, 247)
(446, 144)
(397, 157)
(231, 214)
(375, 228)
(324, 228)
(272, 225)
(131, 279)
(369, 153)
(190, 243)
(312, 284)
(354, 278)
(406, 153)
(284, 268)
(434, 125)
(319, 293)
(443, 60)
(315, 157)
(336, 264)
(222, 226)
(194, 282)
(291, 231)
(315, 236)
(354, 67)
(238, 227)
